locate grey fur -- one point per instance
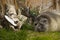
(47, 21)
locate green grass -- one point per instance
(26, 33)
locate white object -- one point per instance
(10, 20)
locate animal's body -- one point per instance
(47, 21)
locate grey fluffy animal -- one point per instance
(47, 21)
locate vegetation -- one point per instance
(27, 33)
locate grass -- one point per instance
(26, 33)
(11, 35)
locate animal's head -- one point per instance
(42, 23)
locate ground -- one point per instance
(26, 33)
